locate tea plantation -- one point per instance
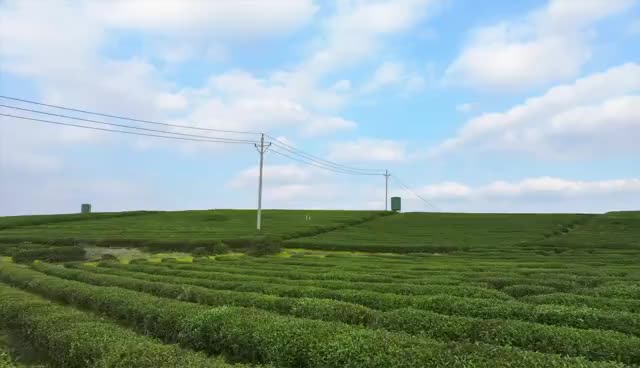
(341, 289)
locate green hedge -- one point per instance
(594, 344)
(50, 254)
(579, 317)
(323, 309)
(615, 290)
(400, 249)
(291, 342)
(625, 305)
(257, 336)
(525, 290)
(293, 285)
(359, 294)
(331, 280)
(73, 339)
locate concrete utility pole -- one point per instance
(261, 150)
(386, 190)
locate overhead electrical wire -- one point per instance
(212, 140)
(320, 166)
(126, 126)
(308, 156)
(429, 204)
(124, 117)
(292, 152)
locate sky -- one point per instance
(508, 106)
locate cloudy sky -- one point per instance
(512, 106)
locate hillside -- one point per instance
(443, 232)
(468, 290)
(135, 228)
(371, 231)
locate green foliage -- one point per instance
(49, 254)
(75, 339)
(437, 232)
(596, 345)
(268, 245)
(108, 257)
(252, 335)
(220, 248)
(488, 291)
(178, 231)
(11, 222)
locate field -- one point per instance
(349, 289)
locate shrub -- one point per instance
(258, 336)
(73, 339)
(220, 248)
(201, 252)
(267, 246)
(108, 257)
(526, 290)
(50, 254)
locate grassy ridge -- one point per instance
(613, 230)
(11, 222)
(252, 335)
(441, 232)
(187, 227)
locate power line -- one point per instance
(124, 117)
(319, 166)
(429, 204)
(126, 126)
(121, 131)
(308, 156)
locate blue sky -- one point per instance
(508, 106)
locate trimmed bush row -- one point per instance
(73, 339)
(434, 275)
(49, 254)
(377, 287)
(524, 290)
(578, 317)
(323, 309)
(253, 335)
(402, 269)
(613, 290)
(626, 305)
(593, 344)
(402, 249)
(359, 294)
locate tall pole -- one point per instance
(386, 190)
(261, 150)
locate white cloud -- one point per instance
(540, 194)
(358, 28)
(596, 115)
(277, 175)
(328, 125)
(390, 74)
(368, 150)
(238, 100)
(549, 44)
(465, 107)
(229, 18)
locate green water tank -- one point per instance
(396, 204)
